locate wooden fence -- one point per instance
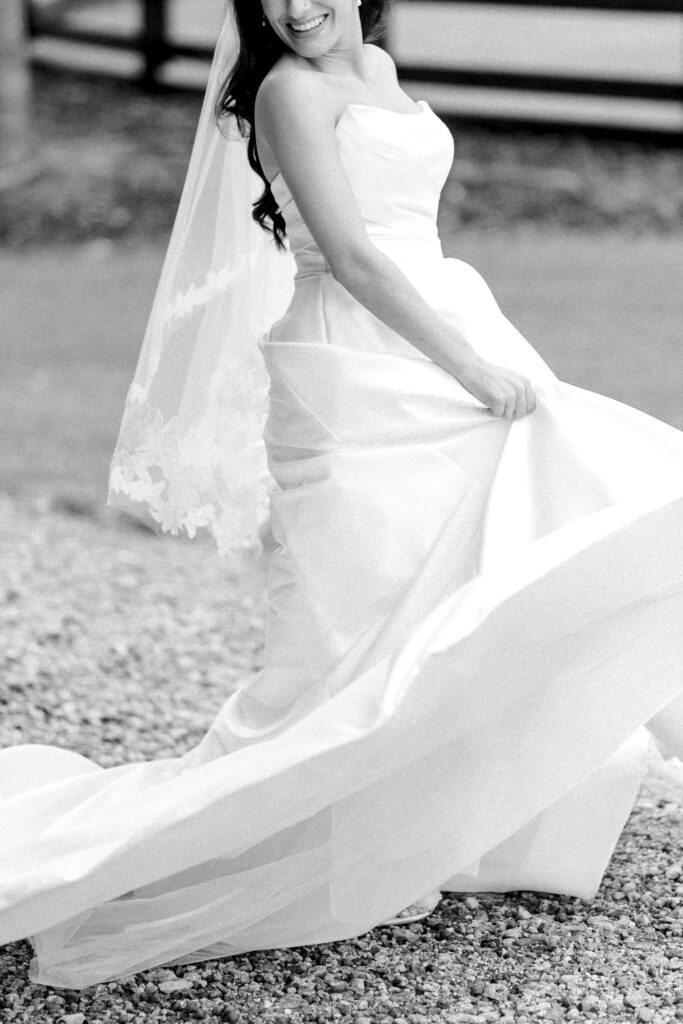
(153, 44)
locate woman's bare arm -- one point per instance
(297, 117)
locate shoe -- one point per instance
(422, 908)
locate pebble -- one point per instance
(176, 985)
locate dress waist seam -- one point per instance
(317, 272)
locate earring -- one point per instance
(263, 21)
(358, 3)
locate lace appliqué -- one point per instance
(204, 474)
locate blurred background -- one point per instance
(566, 192)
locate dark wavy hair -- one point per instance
(259, 48)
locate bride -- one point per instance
(475, 569)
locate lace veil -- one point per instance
(190, 453)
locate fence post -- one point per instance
(15, 88)
(154, 46)
(29, 20)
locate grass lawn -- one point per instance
(605, 311)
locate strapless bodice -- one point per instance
(397, 164)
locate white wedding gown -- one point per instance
(475, 631)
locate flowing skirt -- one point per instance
(474, 636)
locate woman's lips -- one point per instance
(310, 31)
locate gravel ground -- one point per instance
(122, 646)
(110, 163)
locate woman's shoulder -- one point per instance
(290, 82)
(288, 94)
(379, 53)
(384, 62)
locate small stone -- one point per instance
(72, 1018)
(645, 1013)
(590, 1004)
(177, 985)
(472, 903)
(162, 974)
(633, 998)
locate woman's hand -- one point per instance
(505, 392)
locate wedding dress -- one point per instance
(473, 641)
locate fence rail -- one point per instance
(584, 85)
(153, 44)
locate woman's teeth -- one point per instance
(308, 25)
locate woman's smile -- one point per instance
(308, 27)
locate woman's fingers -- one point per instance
(508, 394)
(510, 407)
(520, 406)
(521, 399)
